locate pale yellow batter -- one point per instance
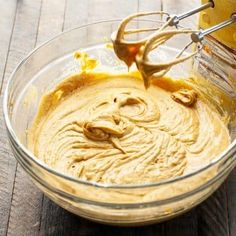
(107, 128)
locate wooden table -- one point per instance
(24, 210)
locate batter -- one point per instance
(107, 128)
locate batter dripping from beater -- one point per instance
(138, 51)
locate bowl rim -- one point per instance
(224, 155)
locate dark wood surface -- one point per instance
(24, 210)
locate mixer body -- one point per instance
(217, 61)
(223, 9)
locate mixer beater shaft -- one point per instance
(199, 36)
(138, 51)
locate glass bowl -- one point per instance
(133, 204)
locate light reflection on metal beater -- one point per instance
(138, 51)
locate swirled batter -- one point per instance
(109, 129)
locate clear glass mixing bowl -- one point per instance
(134, 204)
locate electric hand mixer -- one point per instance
(138, 51)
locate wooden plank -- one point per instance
(76, 14)
(153, 5)
(231, 197)
(213, 215)
(7, 174)
(156, 229)
(100, 10)
(123, 8)
(183, 225)
(7, 163)
(208, 219)
(8, 11)
(57, 221)
(27, 16)
(26, 205)
(51, 20)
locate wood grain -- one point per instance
(59, 222)
(26, 205)
(150, 6)
(51, 20)
(183, 225)
(76, 14)
(23, 40)
(23, 209)
(7, 162)
(8, 12)
(15, 53)
(231, 200)
(213, 215)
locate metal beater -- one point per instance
(138, 51)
